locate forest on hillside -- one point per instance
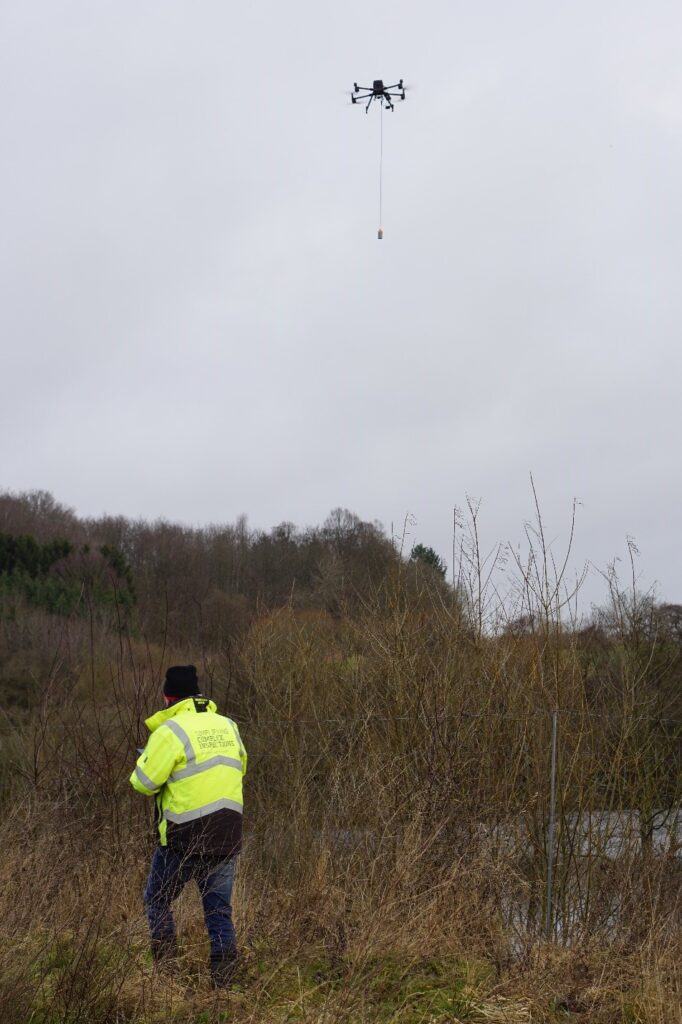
(461, 804)
(200, 584)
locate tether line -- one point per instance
(381, 167)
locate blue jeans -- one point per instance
(169, 873)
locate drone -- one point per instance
(384, 95)
(378, 91)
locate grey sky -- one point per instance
(197, 319)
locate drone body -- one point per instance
(379, 92)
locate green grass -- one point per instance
(386, 990)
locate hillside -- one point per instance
(410, 854)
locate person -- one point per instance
(194, 763)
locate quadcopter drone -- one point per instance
(383, 93)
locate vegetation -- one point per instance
(400, 737)
(55, 576)
(427, 555)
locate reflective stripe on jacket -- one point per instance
(194, 763)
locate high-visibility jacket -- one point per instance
(194, 763)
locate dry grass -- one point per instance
(385, 928)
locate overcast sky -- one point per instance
(197, 319)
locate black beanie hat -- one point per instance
(181, 681)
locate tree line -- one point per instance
(185, 581)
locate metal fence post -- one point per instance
(552, 828)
